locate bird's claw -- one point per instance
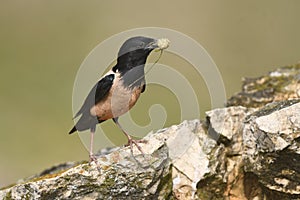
(93, 158)
(132, 142)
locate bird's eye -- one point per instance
(141, 45)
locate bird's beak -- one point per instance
(158, 44)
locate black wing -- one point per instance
(98, 92)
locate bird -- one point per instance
(118, 90)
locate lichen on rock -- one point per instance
(278, 85)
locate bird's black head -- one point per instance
(134, 53)
(138, 45)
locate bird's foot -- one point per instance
(93, 158)
(132, 142)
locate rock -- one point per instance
(116, 176)
(236, 153)
(225, 122)
(190, 150)
(272, 148)
(175, 160)
(279, 85)
(225, 125)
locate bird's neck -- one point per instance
(128, 61)
(131, 67)
(133, 76)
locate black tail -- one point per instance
(73, 130)
(86, 122)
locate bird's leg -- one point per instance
(130, 140)
(92, 156)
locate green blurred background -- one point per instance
(43, 44)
